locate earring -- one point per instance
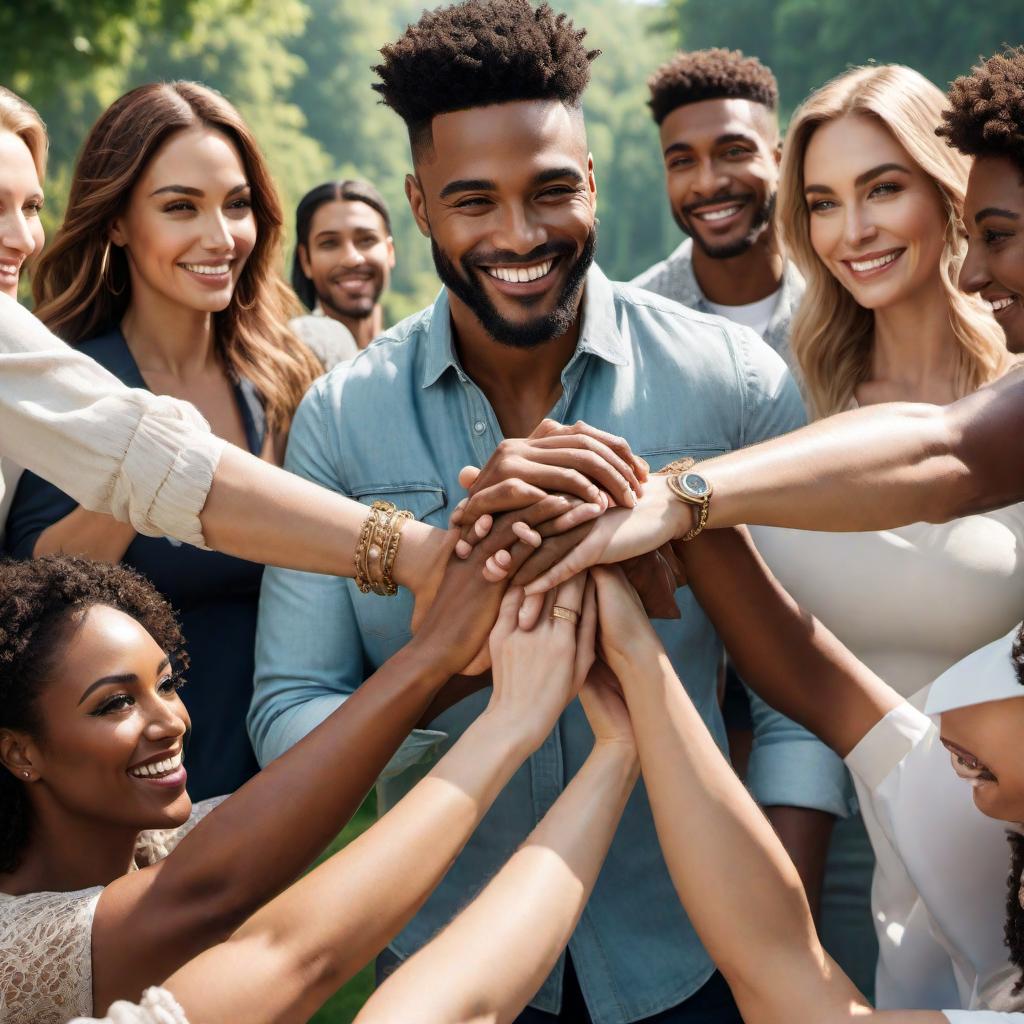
(104, 267)
(24, 773)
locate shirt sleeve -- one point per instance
(143, 458)
(982, 1017)
(310, 656)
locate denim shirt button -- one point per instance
(479, 426)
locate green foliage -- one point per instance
(807, 42)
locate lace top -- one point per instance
(46, 940)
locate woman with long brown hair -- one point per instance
(165, 272)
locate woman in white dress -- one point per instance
(870, 204)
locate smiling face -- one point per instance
(349, 257)
(189, 226)
(721, 172)
(507, 196)
(984, 742)
(114, 726)
(21, 199)
(877, 220)
(994, 267)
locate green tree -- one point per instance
(807, 42)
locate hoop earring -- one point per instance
(104, 268)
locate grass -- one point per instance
(342, 1007)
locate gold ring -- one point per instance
(569, 614)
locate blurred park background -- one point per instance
(299, 70)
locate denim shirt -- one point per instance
(397, 423)
(674, 278)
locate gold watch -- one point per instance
(694, 489)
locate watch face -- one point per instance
(695, 484)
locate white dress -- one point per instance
(46, 940)
(909, 603)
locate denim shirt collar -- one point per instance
(599, 332)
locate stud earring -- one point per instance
(25, 774)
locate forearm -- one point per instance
(298, 524)
(781, 652)
(259, 839)
(804, 834)
(738, 886)
(88, 534)
(311, 939)
(492, 958)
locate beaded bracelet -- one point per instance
(377, 548)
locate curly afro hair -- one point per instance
(41, 603)
(710, 75)
(986, 115)
(481, 52)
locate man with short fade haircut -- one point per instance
(986, 121)
(716, 112)
(526, 327)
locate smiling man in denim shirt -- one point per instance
(526, 326)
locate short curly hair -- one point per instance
(986, 115)
(41, 602)
(695, 75)
(481, 52)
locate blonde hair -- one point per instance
(832, 335)
(21, 118)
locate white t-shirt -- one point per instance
(754, 314)
(924, 825)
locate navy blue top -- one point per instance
(214, 595)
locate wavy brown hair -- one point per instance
(832, 336)
(21, 118)
(82, 286)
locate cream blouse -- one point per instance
(143, 458)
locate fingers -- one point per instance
(574, 455)
(586, 634)
(619, 445)
(532, 609)
(623, 467)
(508, 615)
(558, 559)
(505, 496)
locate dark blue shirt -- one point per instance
(214, 595)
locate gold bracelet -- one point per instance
(390, 588)
(676, 467)
(377, 548)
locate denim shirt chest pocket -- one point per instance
(385, 620)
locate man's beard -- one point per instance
(533, 332)
(762, 216)
(352, 312)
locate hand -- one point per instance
(658, 518)
(626, 635)
(654, 581)
(579, 460)
(535, 674)
(605, 707)
(456, 606)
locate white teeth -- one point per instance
(998, 304)
(520, 275)
(719, 214)
(874, 264)
(201, 268)
(168, 765)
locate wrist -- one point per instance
(512, 731)
(421, 550)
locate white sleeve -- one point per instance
(142, 458)
(982, 1017)
(157, 1006)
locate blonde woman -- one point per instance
(870, 204)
